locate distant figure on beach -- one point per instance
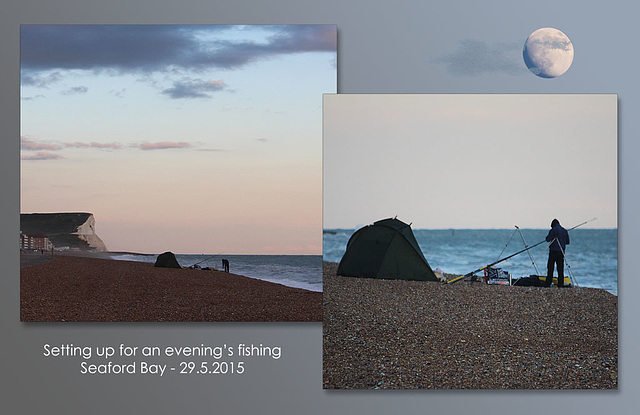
(225, 265)
(559, 238)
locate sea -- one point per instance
(592, 255)
(298, 271)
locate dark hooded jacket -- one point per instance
(560, 234)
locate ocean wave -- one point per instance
(592, 254)
(297, 271)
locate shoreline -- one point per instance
(203, 254)
(396, 334)
(247, 268)
(28, 258)
(89, 287)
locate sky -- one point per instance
(477, 161)
(194, 139)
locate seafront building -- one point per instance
(35, 242)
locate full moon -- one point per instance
(548, 52)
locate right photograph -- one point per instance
(470, 241)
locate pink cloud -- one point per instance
(163, 145)
(77, 144)
(114, 146)
(93, 144)
(43, 156)
(27, 144)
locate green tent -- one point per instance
(167, 260)
(386, 249)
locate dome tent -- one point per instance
(387, 249)
(167, 260)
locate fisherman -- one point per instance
(559, 238)
(225, 265)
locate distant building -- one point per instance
(74, 230)
(35, 242)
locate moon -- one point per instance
(548, 52)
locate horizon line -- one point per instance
(466, 229)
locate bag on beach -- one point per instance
(530, 281)
(496, 276)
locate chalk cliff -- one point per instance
(64, 230)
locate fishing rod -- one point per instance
(528, 252)
(583, 223)
(507, 244)
(493, 263)
(198, 263)
(510, 256)
(571, 277)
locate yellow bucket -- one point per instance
(567, 280)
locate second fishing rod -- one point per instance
(460, 278)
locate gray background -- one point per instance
(385, 47)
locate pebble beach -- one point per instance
(85, 288)
(393, 334)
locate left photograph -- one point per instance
(172, 173)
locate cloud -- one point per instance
(194, 88)
(42, 156)
(28, 144)
(113, 146)
(285, 40)
(551, 43)
(262, 140)
(93, 144)
(144, 49)
(32, 98)
(40, 81)
(474, 57)
(118, 92)
(75, 90)
(270, 111)
(164, 145)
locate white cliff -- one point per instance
(65, 230)
(87, 232)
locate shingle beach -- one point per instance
(70, 288)
(393, 334)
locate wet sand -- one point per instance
(86, 288)
(391, 334)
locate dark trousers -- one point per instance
(555, 258)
